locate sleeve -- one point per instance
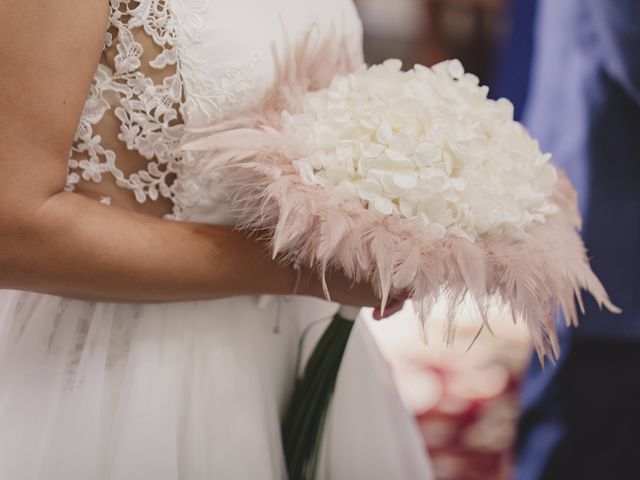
(617, 24)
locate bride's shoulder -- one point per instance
(48, 55)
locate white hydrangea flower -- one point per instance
(425, 143)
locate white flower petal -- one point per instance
(456, 70)
(448, 162)
(407, 207)
(351, 166)
(458, 183)
(431, 173)
(384, 133)
(383, 205)
(369, 189)
(392, 65)
(427, 153)
(403, 142)
(344, 153)
(396, 156)
(372, 150)
(405, 181)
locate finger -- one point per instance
(377, 315)
(393, 307)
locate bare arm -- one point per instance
(66, 244)
(73, 246)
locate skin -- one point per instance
(70, 245)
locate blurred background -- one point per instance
(465, 399)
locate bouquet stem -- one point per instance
(304, 419)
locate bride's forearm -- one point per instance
(75, 247)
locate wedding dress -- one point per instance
(190, 390)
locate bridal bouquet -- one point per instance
(414, 181)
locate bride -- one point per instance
(140, 336)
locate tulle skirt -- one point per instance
(191, 390)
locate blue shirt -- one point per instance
(584, 107)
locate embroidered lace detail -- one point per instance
(140, 87)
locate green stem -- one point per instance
(304, 419)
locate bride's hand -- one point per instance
(344, 291)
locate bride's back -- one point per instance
(171, 63)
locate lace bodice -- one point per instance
(167, 64)
(139, 88)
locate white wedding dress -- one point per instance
(190, 390)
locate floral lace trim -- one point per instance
(151, 115)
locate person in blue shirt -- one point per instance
(512, 70)
(581, 419)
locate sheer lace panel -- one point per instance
(131, 124)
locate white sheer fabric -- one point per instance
(189, 390)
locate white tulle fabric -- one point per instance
(372, 438)
(189, 390)
(178, 391)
